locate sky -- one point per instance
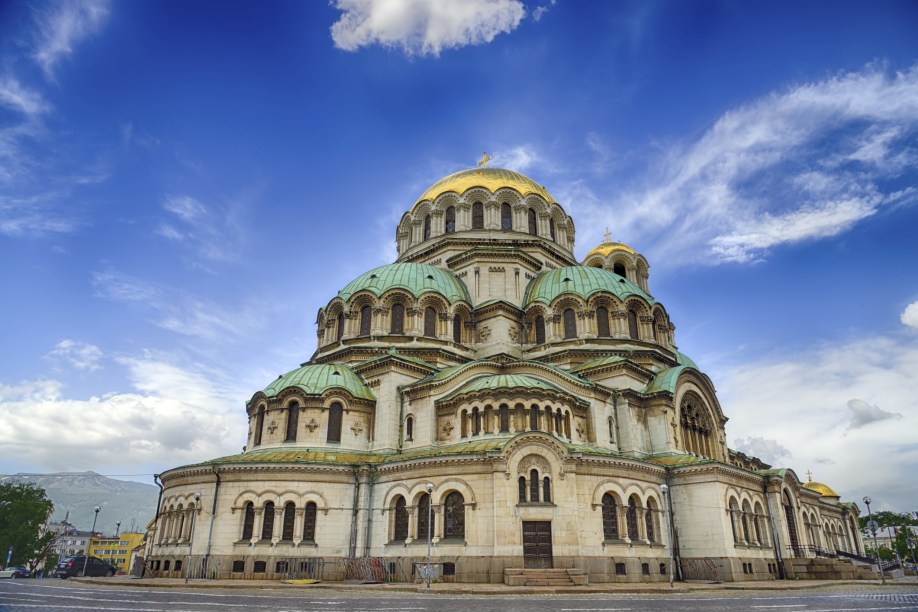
(183, 186)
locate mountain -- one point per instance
(77, 493)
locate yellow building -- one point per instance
(115, 549)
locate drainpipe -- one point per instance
(674, 534)
(774, 532)
(213, 515)
(366, 539)
(401, 417)
(159, 500)
(352, 547)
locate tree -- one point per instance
(24, 511)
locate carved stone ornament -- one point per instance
(356, 428)
(484, 333)
(514, 333)
(272, 426)
(448, 427)
(580, 431)
(312, 425)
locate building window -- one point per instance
(551, 228)
(609, 518)
(259, 425)
(423, 516)
(540, 330)
(619, 268)
(656, 327)
(506, 219)
(259, 567)
(335, 414)
(570, 324)
(398, 319)
(533, 486)
(401, 519)
(426, 227)
(546, 490)
(620, 569)
(238, 566)
(504, 412)
(477, 215)
(267, 527)
(430, 322)
(309, 522)
(339, 324)
(366, 320)
(409, 428)
(522, 489)
(734, 510)
(648, 523)
(293, 418)
(631, 517)
(457, 329)
(602, 322)
(289, 518)
(633, 325)
(454, 515)
(476, 422)
(450, 224)
(534, 418)
(531, 216)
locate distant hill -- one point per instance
(79, 492)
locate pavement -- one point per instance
(460, 588)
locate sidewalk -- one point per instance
(456, 588)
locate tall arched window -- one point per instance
(506, 218)
(533, 485)
(476, 422)
(522, 489)
(289, 518)
(430, 322)
(546, 490)
(540, 330)
(248, 521)
(400, 530)
(454, 516)
(449, 225)
(339, 327)
(734, 511)
(309, 522)
(656, 327)
(423, 517)
(531, 217)
(426, 227)
(398, 319)
(551, 228)
(293, 419)
(267, 525)
(632, 324)
(632, 518)
(570, 324)
(335, 414)
(477, 215)
(534, 418)
(619, 268)
(366, 320)
(409, 428)
(609, 517)
(504, 414)
(744, 520)
(457, 329)
(259, 425)
(648, 523)
(602, 322)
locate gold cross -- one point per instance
(485, 158)
(809, 475)
(607, 237)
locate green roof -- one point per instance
(503, 381)
(595, 363)
(665, 380)
(683, 359)
(583, 281)
(317, 378)
(415, 278)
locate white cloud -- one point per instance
(185, 207)
(209, 233)
(863, 414)
(80, 355)
(121, 288)
(64, 25)
(769, 451)
(27, 101)
(423, 27)
(521, 158)
(909, 316)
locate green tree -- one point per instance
(24, 511)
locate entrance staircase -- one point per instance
(820, 568)
(545, 577)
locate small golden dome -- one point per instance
(820, 488)
(491, 179)
(608, 247)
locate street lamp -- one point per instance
(197, 508)
(667, 513)
(89, 542)
(430, 489)
(873, 529)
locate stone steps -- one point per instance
(545, 577)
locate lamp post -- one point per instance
(89, 542)
(873, 530)
(430, 489)
(197, 508)
(667, 512)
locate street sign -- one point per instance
(873, 526)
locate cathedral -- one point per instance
(491, 401)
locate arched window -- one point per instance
(289, 517)
(309, 522)
(522, 489)
(534, 418)
(756, 519)
(506, 219)
(476, 422)
(632, 324)
(531, 216)
(335, 414)
(430, 322)
(398, 319)
(267, 525)
(602, 322)
(570, 324)
(339, 327)
(546, 490)
(656, 326)
(558, 426)
(426, 227)
(454, 516)
(551, 228)
(619, 268)
(533, 485)
(457, 329)
(609, 517)
(293, 419)
(248, 521)
(401, 519)
(734, 511)
(504, 414)
(744, 520)
(696, 426)
(423, 517)
(477, 215)
(648, 522)
(409, 428)
(540, 330)
(632, 519)
(366, 320)
(449, 225)
(259, 425)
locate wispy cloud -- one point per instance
(15, 96)
(62, 26)
(121, 288)
(211, 234)
(81, 355)
(423, 27)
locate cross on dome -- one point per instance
(485, 158)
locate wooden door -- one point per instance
(537, 544)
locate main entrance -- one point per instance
(536, 544)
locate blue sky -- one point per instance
(183, 185)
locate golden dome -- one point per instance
(491, 179)
(820, 488)
(608, 247)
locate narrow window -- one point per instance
(457, 329)
(546, 489)
(426, 227)
(551, 228)
(339, 322)
(619, 268)
(540, 330)
(656, 325)
(504, 412)
(289, 518)
(423, 518)
(534, 418)
(409, 428)
(734, 510)
(602, 322)
(267, 526)
(632, 519)
(366, 320)
(477, 215)
(522, 489)
(454, 515)
(293, 418)
(648, 523)
(248, 521)
(401, 519)
(476, 422)
(506, 220)
(398, 319)
(450, 220)
(335, 413)
(259, 425)
(532, 222)
(309, 522)
(430, 322)
(632, 325)
(570, 324)
(533, 485)
(464, 424)
(609, 518)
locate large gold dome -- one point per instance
(822, 489)
(491, 179)
(607, 247)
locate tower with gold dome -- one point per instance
(519, 408)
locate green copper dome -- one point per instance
(583, 281)
(416, 278)
(318, 378)
(503, 381)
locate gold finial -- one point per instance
(809, 475)
(485, 158)
(607, 237)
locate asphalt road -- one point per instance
(55, 595)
